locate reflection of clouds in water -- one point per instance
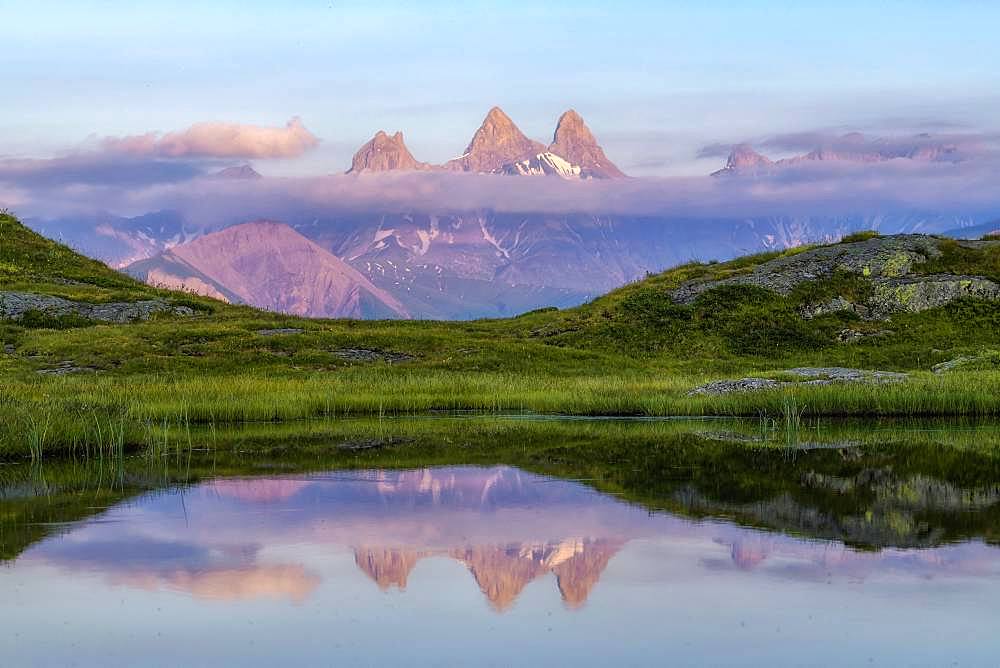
(222, 572)
(789, 558)
(235, 584)
(506, 526)
(261, 490)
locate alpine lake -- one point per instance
(511, 540)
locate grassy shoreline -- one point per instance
(876, 483)
(48, 417)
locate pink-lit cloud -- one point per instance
(218, 140)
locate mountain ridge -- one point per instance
(499, 146)
(269, 265)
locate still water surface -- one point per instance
(496, 565)
(475, 565)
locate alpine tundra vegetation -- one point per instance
(904, 325)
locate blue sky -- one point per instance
(655, 80)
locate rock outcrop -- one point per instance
(16, 305)
(497, 142)
(574, 142)
(383, 153)
(810, 376)
(888, 262)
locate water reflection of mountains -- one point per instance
(238, 538)
(426, 511)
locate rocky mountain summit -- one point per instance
(496, 143)
(499, 147)
(383, 153)
(890, 266)
(576, 144)
(744, 159)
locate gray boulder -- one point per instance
(15, 305)
(809, 375)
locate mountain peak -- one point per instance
(384, 153)
(497, 115)
(574, 141)
(496, 143)
(571, 125)
(744, 159)
(237, 172)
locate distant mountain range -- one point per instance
(852, 147)
(499, 147)
(474, 263)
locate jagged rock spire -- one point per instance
(574, 142)
(384, 153)
(496, 143)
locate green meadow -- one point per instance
(632, 352)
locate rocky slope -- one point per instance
(888, 265)
(271, 266)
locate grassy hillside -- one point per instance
(633, 351)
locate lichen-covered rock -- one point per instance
(915, 294)
(65, 368)
(987, 359)
(887, 262)
(367, 355)
(852, 335)
(720, 387)
(281, 331)
(836, 305)
(839, 373)
(878, 257)
(15, 305)
(811, 376)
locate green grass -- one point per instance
(632, 351)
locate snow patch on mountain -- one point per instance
(544, 164)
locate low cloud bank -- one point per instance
(134, 181)
(810, 190)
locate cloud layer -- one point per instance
(131, 176)
(218, 140)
